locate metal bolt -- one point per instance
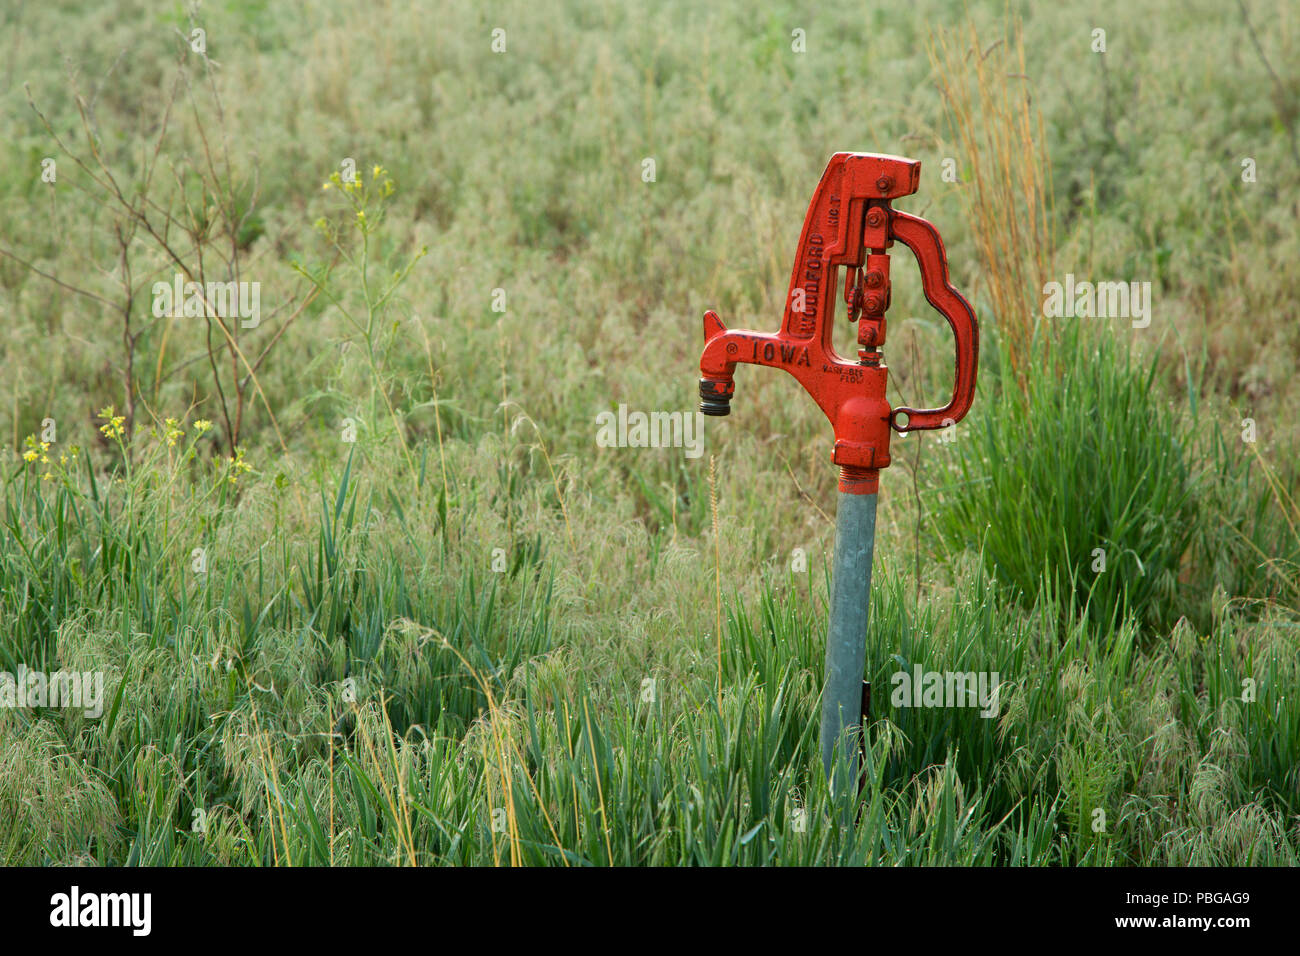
(874, 303)
(874, 278)
(875, 218)
(885, 183)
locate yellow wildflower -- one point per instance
(113, 427)
(237, 466)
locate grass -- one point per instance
(361, 707)
(391, 604)
(1086, 483)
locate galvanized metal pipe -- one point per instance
(846, 642)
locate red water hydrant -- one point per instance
(850, 224)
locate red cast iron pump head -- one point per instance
(850, 223)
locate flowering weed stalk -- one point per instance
(355, 240)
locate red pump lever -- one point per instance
(850, 223)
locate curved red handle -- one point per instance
(922, 238)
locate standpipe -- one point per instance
(851, 224)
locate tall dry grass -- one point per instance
(1007, 200)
